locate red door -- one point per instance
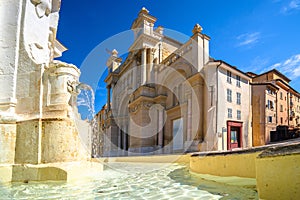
(234, 137)
(234, 134)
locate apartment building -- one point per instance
(275, 106)
(232, 106)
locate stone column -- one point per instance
(10, 17)
(150, 72)
(10, 20)
(108, 98)
(108, 143)
(134, 85)
(144, 67)
(119, 137)
(112, 101)
(160, 127)
(156, 73)
(125, 138)
(189, 118)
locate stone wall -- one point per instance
(278, 173)
(242, 165)
(61, 143)
(7, 143)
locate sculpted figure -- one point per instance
(42, 7)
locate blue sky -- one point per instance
(254, 35)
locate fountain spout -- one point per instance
(83, 86)
(84, 96)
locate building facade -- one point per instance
(171, 97)
(232, 105)
(275, 107)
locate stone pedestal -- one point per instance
(7, 142)
(49, 141)
(7, 150)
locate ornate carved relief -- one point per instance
(145, 104)
(42, 7)
(72, 86)
(134, 109)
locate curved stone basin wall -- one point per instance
(276, 169)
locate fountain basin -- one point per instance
(129, 181)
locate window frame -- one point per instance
(229, 113)
(270, 105)
(229, 76)
(238, 98)
(239, 114)
(238, 81)
(229, 95)
(270, 117)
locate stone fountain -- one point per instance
(39, 139)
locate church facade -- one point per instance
(172, 97)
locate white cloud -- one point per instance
(248, 38)
(292, 6)
(290, 67)
(297, 72)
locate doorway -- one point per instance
(177, 134)
(234, 135)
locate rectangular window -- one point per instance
(270, 105)
(281, 108)
(229, 95)
(270, 119)
(228, 76)
(238, 113)
(238, 98)
(238, 81)
(281, 96)
(229, 113)
(281, 120)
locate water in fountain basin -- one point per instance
(134, 181)
(113, 184)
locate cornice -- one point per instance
(139, 42)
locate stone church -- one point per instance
(172, 97)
